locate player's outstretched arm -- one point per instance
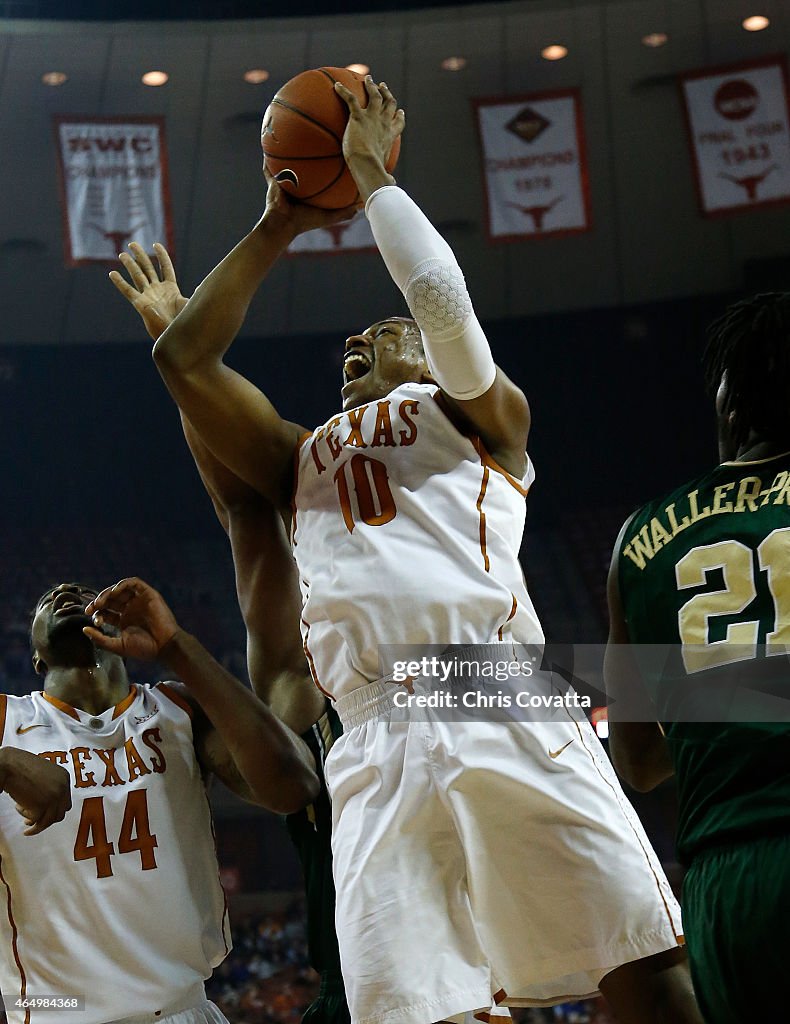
(237, 736)
(267, 587)
(425, 269)
(40, 789)
(232, 416)
(638, 748)
(266, 578)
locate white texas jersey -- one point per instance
(120, 903)
(405, 531)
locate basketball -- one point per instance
(302, 138)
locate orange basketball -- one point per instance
(302, 138)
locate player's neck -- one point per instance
(93, 689)
(755, 448)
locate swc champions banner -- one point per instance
(737, 118)
(534, 165)
(114, 186)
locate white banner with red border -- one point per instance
(114, 186)
(738, 120)
(534, 165)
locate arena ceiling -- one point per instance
(647, 240)
(206, 10)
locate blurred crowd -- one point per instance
(266, 978)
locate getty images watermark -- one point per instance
(491, 682)
(703, 683)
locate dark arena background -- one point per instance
(603, 328)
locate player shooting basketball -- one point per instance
(408, 517)
(119, 906)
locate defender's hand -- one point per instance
(139, 612)
(41, 789)
(158, 301)
(370, 134)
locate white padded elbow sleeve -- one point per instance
(424, 267)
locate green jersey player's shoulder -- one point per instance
(729, 489)
(664, 508)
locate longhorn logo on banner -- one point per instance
(348, 236)
(534, 165)
(737, 120)
(114, 186)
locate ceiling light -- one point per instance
(256, 75)
(756, 23)
(54, 78)
(361, 69)
(154, 78)
(654, 39)
(554, 52)
(453, 63)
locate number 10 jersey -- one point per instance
(405, 531)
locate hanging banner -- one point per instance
(348, 236)
(534, 165)
(737, 119)
(114, 186)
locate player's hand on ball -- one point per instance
(370, 134)
(40, 789)
(299, 217)
(157, 299)
(138, 613)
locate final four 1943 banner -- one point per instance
(114, 186)
(737, 120)
(534, 165)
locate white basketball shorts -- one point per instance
(483, 861)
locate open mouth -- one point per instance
(356, 364)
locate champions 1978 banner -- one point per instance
(737, 119)
(534, 165)
(114, 186)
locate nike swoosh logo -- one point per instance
(26, 728)
(556, 753)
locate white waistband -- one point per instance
(366, 703)
(376, 699)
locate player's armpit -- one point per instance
(501, 416)
(215, 758)
(274, 762)
(638, 748)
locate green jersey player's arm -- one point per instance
(232, 416)
(266, 579)
(639, 749)
(267, 587)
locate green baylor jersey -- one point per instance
(705, 571)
